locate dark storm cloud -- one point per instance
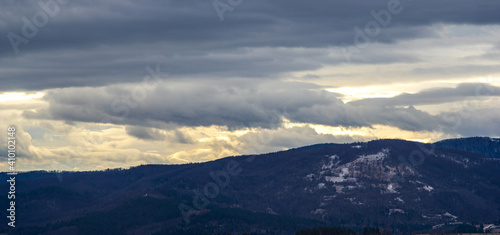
(154, 134)
(145, 133)
(254, 23)
(467, 118)
(246, 104)
(95, 43)
(365, 116)
(435, 96)
(471, 120)
(119, 65)
(238, 105)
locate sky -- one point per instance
(91, 85)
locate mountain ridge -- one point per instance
(393, 183)
(489, 147)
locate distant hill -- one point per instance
(392, 184)
(489, 147)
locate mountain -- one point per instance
(489, 147)
(394, 184)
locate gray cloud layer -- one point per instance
(95, 43)
(435, 96)
(237, 106)
(245, 104)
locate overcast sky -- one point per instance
(103, 84)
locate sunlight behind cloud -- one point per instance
(19, 96)
(357, 93)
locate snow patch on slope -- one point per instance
(340, 178)
(425, 187)
(399, 199)
(393, 211)
(390, 189)
(450, 215)
(372, 157)
(428, 188)
(464, 161)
